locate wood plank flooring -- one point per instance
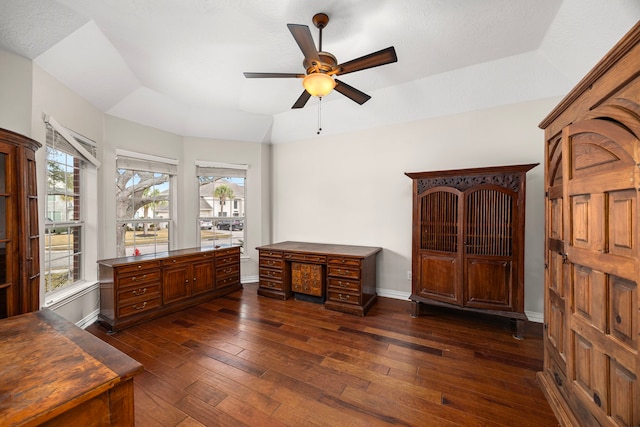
(255, 361)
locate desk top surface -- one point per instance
(322, 248)
(48, 365)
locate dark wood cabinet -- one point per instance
(343, 276)
(591, 325)
(19, 237)
(137, 289)
(468, 240)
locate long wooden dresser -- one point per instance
(341, 276)
(53, 373)
(140, 288)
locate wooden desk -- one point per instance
(53, 373)
(344, 274)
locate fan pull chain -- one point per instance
(319, 115)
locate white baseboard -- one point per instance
(249, 279)
(88, 320)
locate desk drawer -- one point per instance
(295, 256)
(339, 271)
(344, 297)
(271, 254)
(271, 284)
(341, 285)
(271, 262)
(271, 274)
(344, 261)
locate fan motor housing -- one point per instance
(326, 65)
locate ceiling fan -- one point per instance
(322, 66)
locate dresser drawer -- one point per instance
(227, 281)
(344, 297)
(341, 284)
(344, 261)
(226, 260)
(234, 251)
(130, 268)
(230, 270)
(144, 277)
(271, 274)
(271, 262)
(135, 294)
(339, 271)
(139, 306)
(295, 256)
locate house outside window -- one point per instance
(67, 161)
(144, 205)
(222, 199)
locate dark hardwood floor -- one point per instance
(255, 361)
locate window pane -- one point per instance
(62, 256)
(142, 196)
(63, 241)
(221, 211)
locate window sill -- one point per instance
(65, 296)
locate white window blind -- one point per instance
(145, 162)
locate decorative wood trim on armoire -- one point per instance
(19, 237)
(592, 177)
(468, 240)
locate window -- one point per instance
(221, 217)
(144, 209)
(67, 160)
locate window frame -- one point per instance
(215, 171)
(82, 151)
(155, 165)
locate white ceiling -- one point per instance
(177, 65)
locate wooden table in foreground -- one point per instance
(53, 373)
(341, 276)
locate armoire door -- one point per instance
(555, 280)
(489, 215)
(601, 231)
(440, 257)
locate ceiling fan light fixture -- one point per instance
(318, 84)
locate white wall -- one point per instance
(15, 93)
(352, 189)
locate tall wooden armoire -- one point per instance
(592, 177)
(19, 238)
(468, 240)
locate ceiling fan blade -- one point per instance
(302, 35)
(381, 57)
(302, 100)
(272, 75)
(351, 92)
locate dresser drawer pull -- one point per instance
(342, 285)
(140, 306)
(139, 266)
(343, 297)
(139, 292)
(135, 279)
(173, 260)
